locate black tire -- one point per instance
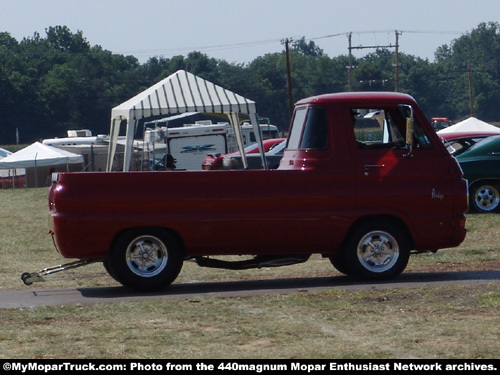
(484, 197)
(338, 260)
(145, 260)
(377, 250)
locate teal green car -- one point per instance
(481, 167)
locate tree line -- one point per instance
(56, 82)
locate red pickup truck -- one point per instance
(364, 180)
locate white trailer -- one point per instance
(190, 144)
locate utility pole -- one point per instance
(286, 42)
(471, 98)
(396, 63)
(349, 67)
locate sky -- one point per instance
(240, 31)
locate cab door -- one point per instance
(399, 172)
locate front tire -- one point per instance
(338, 260)
(485, 197)
(377, 250)
(145, 260)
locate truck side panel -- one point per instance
(216, 212)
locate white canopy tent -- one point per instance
(7, 173)
(39, 155)
(180, 92)
(471, 124)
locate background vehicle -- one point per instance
(215, 161)
(191, 145)
(457, 143)
(439, 123)
(273, 158)
(481, 167)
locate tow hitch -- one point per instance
(38, 276)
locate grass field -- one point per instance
(432, 322)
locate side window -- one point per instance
(377, 128)
(315, 135)
(309, 129)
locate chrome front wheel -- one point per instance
(377, 250)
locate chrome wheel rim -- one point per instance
(146, 256)
(487, 198)
(378, 251)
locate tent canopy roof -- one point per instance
(38, 154)
(182, 92)
(471, 124)
(4, 153)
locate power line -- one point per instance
(229, 46)
(217, 47)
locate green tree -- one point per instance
(471, 63)
(307, 49)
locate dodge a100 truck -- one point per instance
(364, 181)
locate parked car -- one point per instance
(439, 123)
(457, 143)
(215, 161)
(254, 161)
(481, 167)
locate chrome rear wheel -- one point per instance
(146, 259)
(146, 256)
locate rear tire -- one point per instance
(145, 260)
(377, 250)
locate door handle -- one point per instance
(372, 166)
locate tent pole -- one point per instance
(235, 123)
(113, 138)
(36, 171)
(129, 143)
(258, 136)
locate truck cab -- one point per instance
(386, 160)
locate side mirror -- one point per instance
(409, 128)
